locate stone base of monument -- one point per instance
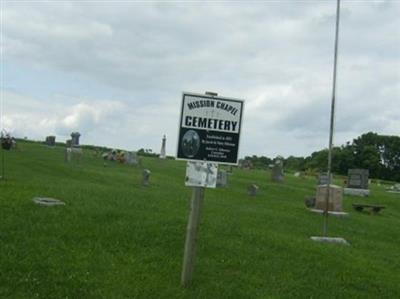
(45, 201)
(331, 213)
(356, 192)
(340, 241)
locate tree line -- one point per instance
(380, 154)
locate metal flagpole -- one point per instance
(2, 164)
(1, 90)
(332, 123)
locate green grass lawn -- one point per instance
(117, 239)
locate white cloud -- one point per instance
(276, 55)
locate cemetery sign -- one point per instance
(209, 129)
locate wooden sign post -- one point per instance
(191, 235)
(209, 132)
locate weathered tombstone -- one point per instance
(222, 179)
(131, 158)
(245, 164)
(335, 198)
(323, 178)
(76, 153)
(394, 189)
(146, 177)
(358, 178)
(357, 182)
(73, 151)
(309, 201)
(75, 138)
(162, 152)
(6, 141)
(51, 140)
(252, 189)
(277, 172)
(46, 201)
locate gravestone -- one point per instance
(245, 164)
(131, 158)
(75, 138)
(67, 154)
(335, 198)
(222, 179)
(146, 177)
(252, 190)
(323, 178)
(73, 151)
(358, 178)
(277, 172)
(46, 201)
(162, 152)
(309, 201)
(6, 141)
(50, 140)
(357, 182)
(394, 189)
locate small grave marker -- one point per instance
(277, 172)
(252, 189)
(146, 177)
(47, 201)
(222, 179)
(131, 158)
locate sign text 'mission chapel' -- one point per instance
(211, 123)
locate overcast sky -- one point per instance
(115, 71)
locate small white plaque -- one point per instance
(201, 174)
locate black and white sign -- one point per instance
(209, 129)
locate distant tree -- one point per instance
(378, 153)
(294, 163)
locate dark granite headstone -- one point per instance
(358, 178)
(323, 178)
(51, 140)
(75, 138)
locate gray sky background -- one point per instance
(115, 71)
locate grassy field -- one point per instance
(117, 239)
